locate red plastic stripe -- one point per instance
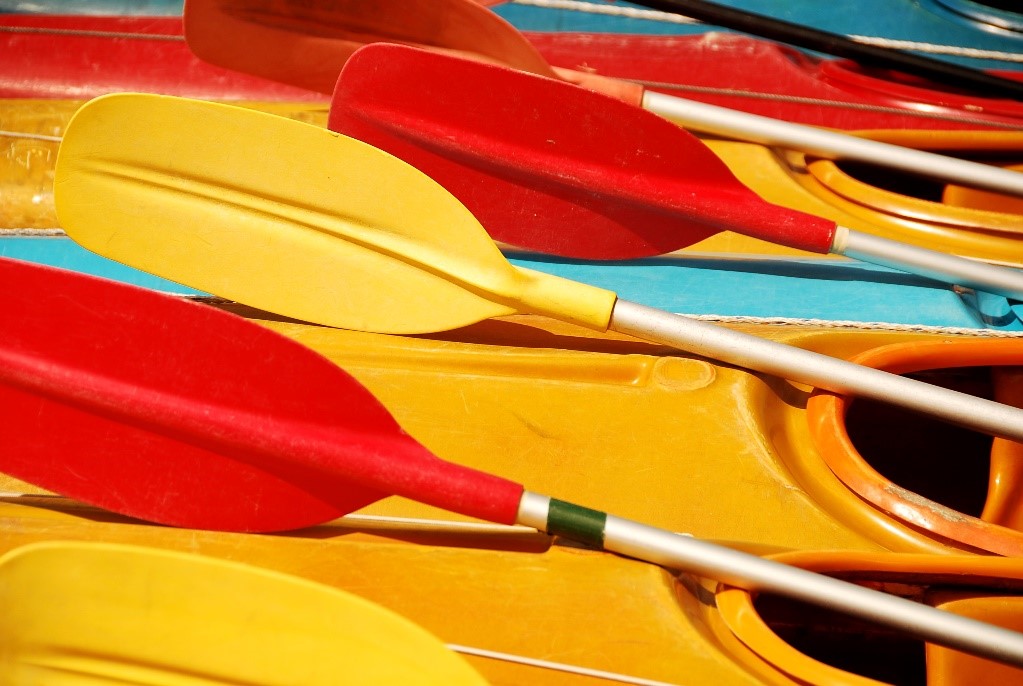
(179, 413)
(552, 167)
(80, 57)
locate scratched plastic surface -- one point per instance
(26, 163)
(142, 7)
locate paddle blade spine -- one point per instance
(311, 225)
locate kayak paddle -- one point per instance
(306, 46)
(96, 613)
(48, 357)
(939, 71)
(564, 170)
(121, 448)
(310, 224)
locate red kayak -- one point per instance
(79, 57)
(773, 80)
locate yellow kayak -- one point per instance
(953, 219)
(677, 441)
(672, 440)
(523, 609)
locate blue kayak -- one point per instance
(946, 29)
(801, 290)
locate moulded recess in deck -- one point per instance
(960, 487)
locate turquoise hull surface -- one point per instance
(950, 28)
(59, 251)
(698, 285)
(800, 289)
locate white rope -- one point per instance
(615, 11)
(956, 50)
(31, 232)
(558, 666)
(482, 527)
(30, 136)
(669, 18)
(91, 34)
(854, 325)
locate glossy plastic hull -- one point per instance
(671, 440)
(947, 28)
(57, 56)
(107, 54)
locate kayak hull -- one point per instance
(560, 408)
(947, 29)
(61, 56)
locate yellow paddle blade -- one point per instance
(289, 218)
(94, 613)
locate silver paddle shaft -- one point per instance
(830, 145)
(822, 371)
(753, 573)
(936, 265)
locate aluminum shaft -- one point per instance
(822, 143)
(812, 368)
(753, 573)
(936, 265)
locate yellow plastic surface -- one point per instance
(961, 196)
(637, 429)
(936, 580)
(603, 420)
(950, 667)
(333, 231)
(93, 613)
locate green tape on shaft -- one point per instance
(577, 523)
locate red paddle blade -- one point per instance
(552, 167)
(178, 413)
(305, 44)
